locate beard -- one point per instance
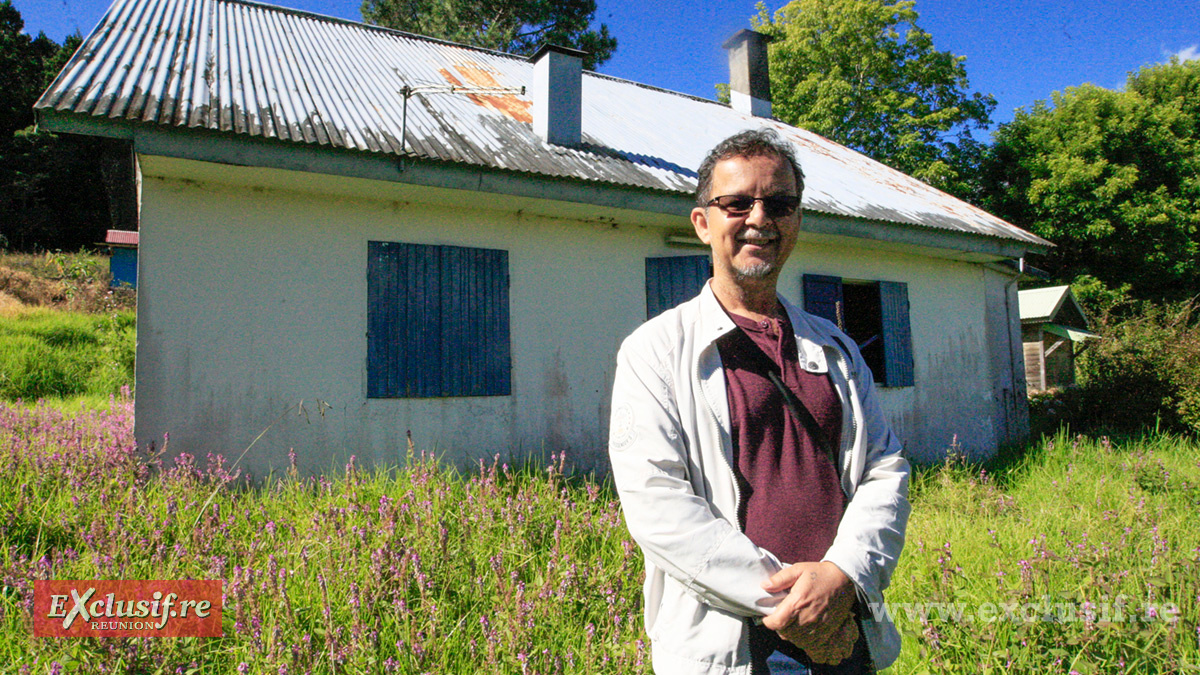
(760, 270)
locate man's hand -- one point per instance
(829, 649)
(817, 614)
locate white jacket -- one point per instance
(672, 455)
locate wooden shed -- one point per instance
(123, 263)
(1054, 331)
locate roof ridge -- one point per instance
(370, 26)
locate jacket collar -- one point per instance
(715, 322)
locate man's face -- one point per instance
(749, 247)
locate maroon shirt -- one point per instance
(791, 500)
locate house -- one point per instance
(409, 235)
(122, 263)
(1052, 324)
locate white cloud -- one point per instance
(1191, 53)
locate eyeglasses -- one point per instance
(741, 205)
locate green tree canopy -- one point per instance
(864, 74)
(56, 191)
(1112, 178)
(22, 71)
(516, 26)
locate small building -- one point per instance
(122, 263)
(1054, 331)
(412, 235)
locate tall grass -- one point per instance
(1087, 551)
(413, 570)
(499, 570)
(52, 353)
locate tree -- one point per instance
(21, 72)
(56, 191)
(517, 26)
(1112, 178)
(862, 73)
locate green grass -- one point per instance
(502, 570)
(46, 353)
(1080, 536)
(424, 569)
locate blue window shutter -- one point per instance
(674, 280)
(897, 334)
(437, 321)
(823, 298)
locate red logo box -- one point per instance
(127, 609)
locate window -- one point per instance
(437, 321)
(875, 315)
(671, 281)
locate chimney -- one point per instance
(557, 80)
(749, 80)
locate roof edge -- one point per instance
(210, 145)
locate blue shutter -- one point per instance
(437, 321)
(671, 281)
(823, 298)
(897, 334)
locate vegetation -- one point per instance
(408, 570)
(1143, 374)
(1081, 555)
(63, 332)
(56, 191)
(516, 26)
(503, 570)
(1112, 178)
(864, 74)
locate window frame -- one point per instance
(824, 296)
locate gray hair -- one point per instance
(764, 142)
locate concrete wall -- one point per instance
(252, 305)
(968, 378)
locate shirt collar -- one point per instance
(714, 323)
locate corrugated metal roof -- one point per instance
(271, 72)
(1072, 334)
(121, 237)
(1041, 304)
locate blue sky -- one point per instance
(1018, 51)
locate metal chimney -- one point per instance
(749, 79)
(557, 99)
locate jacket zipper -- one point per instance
(848, 448)
(737, 493)
(864, 602)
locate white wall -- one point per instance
(252, 300)
(956, 359)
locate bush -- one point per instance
(1144, 373)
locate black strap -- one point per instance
(801, 412)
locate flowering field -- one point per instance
(412, 571)
(1083, 556)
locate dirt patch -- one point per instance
(9, 305)
(31, 286)
(32, 290)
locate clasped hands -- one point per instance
(818, 613)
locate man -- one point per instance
(754, 466)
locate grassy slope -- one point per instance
(63, 333)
